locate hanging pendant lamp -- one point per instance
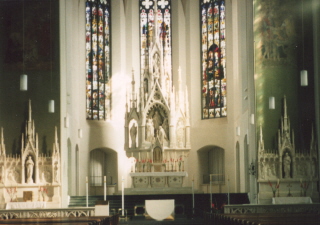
(23, 82)
(303, 72)
(304, 78)
(51, 106)
(272, 104)
(23, 77)
(51, 101)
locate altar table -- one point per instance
(25, 205)
(160, 209)
(291, 200)
(157, 179)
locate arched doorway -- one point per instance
(212, 165)
(103, 163)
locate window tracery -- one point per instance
(98, 72)
(213, 49)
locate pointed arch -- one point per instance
(103, 162)
(212, 164)
(213, 49)
(98, 59)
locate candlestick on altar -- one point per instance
(193, 195)
(105, 188)
(228, 191)
(210, 192)
(123, 197)
(87, 191)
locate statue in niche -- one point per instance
(262, 166)
(133, 135)
(268, 166)
(29, 167)
(273, 167)
(287, 165)
(56, 168)
(149, 130)
(157, 121)
(165, 126)
(162, 135)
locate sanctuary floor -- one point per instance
(178, 221)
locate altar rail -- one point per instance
(47, 213)
(275, 208)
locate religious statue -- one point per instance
(133, 135)
(56, 176)
(262, 169)
(162, 135)
(29, 167)
(149, 130)
(157, 121)
(287, 165)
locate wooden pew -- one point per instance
(95, 220)
(269, 218)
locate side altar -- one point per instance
(157, 121)
(287, 171)
(30, 176)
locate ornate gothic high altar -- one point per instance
(287, 172)
(157, 124)
(30, 176)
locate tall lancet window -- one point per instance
(155, 34)
(98, 74)
(213, 49)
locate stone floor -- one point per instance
(140, 220)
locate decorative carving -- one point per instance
(162, 114)
(30, 167)
(286, 164)
(133, 135)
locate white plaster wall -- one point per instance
(125, 57)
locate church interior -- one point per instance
(211, 103)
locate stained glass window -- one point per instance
(152, 31)
(98, 74)
(213, 49)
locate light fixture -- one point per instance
(23, 77)
(23, 82)
(252, 118)
(238, 131)
(80, 133)
(303, 72)
(304, 78)
(272, 104)
(51, 102)
(66, 122)
(51, 106)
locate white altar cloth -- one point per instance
(25, 205)
(291, 200)
(159, 174)
(160, 209)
